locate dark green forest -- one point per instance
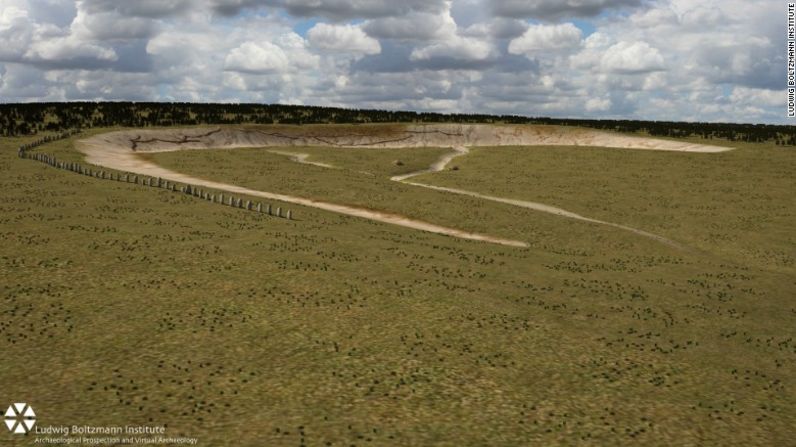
(32, 118)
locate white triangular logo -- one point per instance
(20, 418)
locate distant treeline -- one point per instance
(31, 118)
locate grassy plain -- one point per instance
(129, 305)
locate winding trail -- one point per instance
(438, 165)
(547, 209)
(459, 151)
(300, 157)
(128, 161)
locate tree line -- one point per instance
(32, 118)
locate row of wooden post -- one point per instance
(235, 202)
(22, 152)
(155, 182)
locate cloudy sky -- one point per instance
(710, 60)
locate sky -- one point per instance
(680, 60)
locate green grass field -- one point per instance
(125, 305)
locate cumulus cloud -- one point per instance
(632, 58)
(598, 104)
(497, 28)
(251, 57)
(558, 9)
(755, 97)
(342, 38)
(412, 26)
(139, 8)
(540, 38)
(105, 26)
(65, 49)
(10, 14)
(334, 9)
(455, 48)
(16, 32)
(661, 59)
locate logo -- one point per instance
(20, 418)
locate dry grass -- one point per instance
(122, 304)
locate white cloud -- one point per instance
(333, 9)
(413, 26)
(498, 28)
(662, 59)
(540, 38)
(16, 32)
(756, 97)
(455, 47)
(632, 58)
(52, 45)
(140, 8)
(261, 57)
(557, 9)
(11, 14)
(110, 26)
(342, 38)
(598, 104)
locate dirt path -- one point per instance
(300, 157)
(438, 165)
(443, 162)
(117, 150)
(126, 160)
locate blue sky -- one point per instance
(303, 26)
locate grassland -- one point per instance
(737, 205)
(263, 170)
(127, 305)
